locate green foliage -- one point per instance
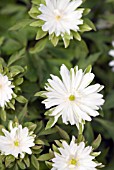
(28, 63)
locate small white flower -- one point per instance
(74, 157)
(61, 16)
(71, 97)
(111, 53)
(111, 63)
(5, 90)
(17, 141)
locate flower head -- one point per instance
(111, 53)
(74, 157)
(61, 16)
(5, 90)
(17, 141)
(61, 19)
(72, 97)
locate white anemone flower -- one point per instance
(5, 90)
(74, 157)
(111, 53)
(17, 141)
(71, 97)
(61, 16)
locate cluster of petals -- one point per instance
(61, 16)
(111, 53)
(16, 142)
(74, 156)
(72, 97)
(5, 90)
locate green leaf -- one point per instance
(46, 157)
(48, 164)
(77, 36)
(39, 46)
(83, 63)
(50, 123)
(21, 99)
(108, 126)
(40, 34)
(22, 113)
(109, 103)
(18, 81)
(26, 160)
(31, 126)
(38, 23)
(11, 105)
(54, 40)
(90, 23)
(66, 42)
(37, 2)
(21, 24)
(2, 40)
(35, 162)
(88, 69)
(17, 56)
(96, 142)
(86, 11)
(3, 114)
(9, 159)
(34, 12)
(63, 133)
(15, 70)
(21, 164)
(40, 94)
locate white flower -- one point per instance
(71, 97)
(111, 53)
(74, 157)
(61, 16)
(17, 141)
(5, 90)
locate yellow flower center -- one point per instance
(71, 97)
(73, 161)
(16, 143)
(57, 14)
(58, 17)
(0, 86)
